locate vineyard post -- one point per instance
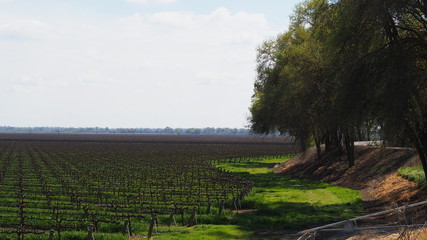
(221, 207)
(171, 217)
(130, 226)
(90, 229)
(182, 217)
(150, 228)
(94, 221)
(126, 229)
(21, 221)
(193, 219)
(208, 210)
(235, 204)
(51, 234)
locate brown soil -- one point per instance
(420, 234)
(374, 174)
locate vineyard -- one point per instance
(68, 182)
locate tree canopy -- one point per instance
(343, 69)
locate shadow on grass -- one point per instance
(256, 165)
(283, 203)
(272, 180)
(208, 232)
(294, 216)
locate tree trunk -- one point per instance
(302, 145)
(359, 134)
(368, 135)
(335, 139)
(349, 147)
(419, 139)
(421, 146)
(328, 142)
(319, 151)
(317, 141)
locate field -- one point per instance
(116, 182)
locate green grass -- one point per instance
(285, 203)
(205, 232)
(69, 235)
(415, 174)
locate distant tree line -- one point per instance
(106, 130)
(346, 69)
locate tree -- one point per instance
(390, 64)
(342, 67)
(293, 90)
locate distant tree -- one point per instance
(168, 130)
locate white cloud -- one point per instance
(174, 19)
(220, 26)
(23, 29)
(149, 70)
(219, 18)
(222, 78)
(6, 1)
(150, 1)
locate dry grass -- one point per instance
(373, 236)
(420, 234)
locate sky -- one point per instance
(132, 63)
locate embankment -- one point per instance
(374, 174)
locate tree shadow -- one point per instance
(273, 180)
(294, 216)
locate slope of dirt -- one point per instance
(374, 174)
(419, 234)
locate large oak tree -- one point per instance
(344, 67)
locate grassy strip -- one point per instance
(69, 235)
(415, 174)
(205, 232)
(285, 203)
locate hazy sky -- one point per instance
(132, 63)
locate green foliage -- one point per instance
(415, 174)
(345, 66)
